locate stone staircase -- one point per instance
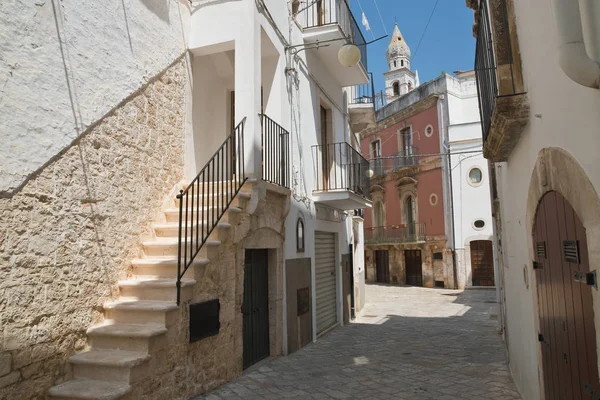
(140, 322)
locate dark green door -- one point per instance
(255, 308)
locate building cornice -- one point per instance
(401, 115)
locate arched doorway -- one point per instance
(567, 334)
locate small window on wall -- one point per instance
(438, 256)
(300, 236)
(429, 131)
(479, 224)
(475, 176)
(433, 199)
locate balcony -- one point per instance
(332, 21)
(382, 166)
(503, 103)
(393, 234)
(342, 177)
(361, 106)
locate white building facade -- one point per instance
(538, 74)
(172, 159)
(471, 199)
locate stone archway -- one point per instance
(557, 170)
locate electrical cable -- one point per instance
(425, 30)
(363, 14)
(380, 17)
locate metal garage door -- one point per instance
(325, 280)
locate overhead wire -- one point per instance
(425, 30)
(364, 16)
(380, 17)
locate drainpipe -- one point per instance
(573, 58)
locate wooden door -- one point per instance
(382, 266)
(255, 308)
(414, 268)
(482, 263)
(567, 335)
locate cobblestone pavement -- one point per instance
(406, 343)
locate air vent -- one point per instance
(540, 248)
(571, 251)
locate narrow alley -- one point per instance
(407, 343)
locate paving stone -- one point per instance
(407, 343)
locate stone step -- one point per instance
(163, 247)
(172, 214)
(87, 389)
(147, 337)
(111, 365)
(171, 229)
(162, 267)
(214, 199)
(163, 289)
(134, 311)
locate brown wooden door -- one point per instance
(482, 263)
(414, 268)
(382, 265)
(567, 335)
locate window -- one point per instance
(475, 176)
(376, 149)
(429, 131)
(479, 224)
(300, 235)
(378, 210)
(396, 87)
(394, 63)
(402, 63)
(410, 86)
(433, 199)
(438, 256)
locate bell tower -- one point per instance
(399, 79)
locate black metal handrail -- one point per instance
(326, 12)
(275, 152)
(363, 94)
(206, 199)
(338, 166)
(405, 158)
(405, 233)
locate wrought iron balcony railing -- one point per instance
(406, 233)
(494, 65)
(340, 167)
(327, 12)
(275, 152)
(384, 165)
(363, 94)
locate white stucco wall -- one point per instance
(69, 63)
(292, 100)
(471, 201)
(564, 115)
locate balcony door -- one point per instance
(406, 143)
(409, 210)
(326, 157)
(320, 13)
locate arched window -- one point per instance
(394, 63)
(402, 63)
(396, 87)
(410, 86)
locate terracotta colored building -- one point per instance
(407, 232)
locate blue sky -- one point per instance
(448, 44)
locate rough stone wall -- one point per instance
(182, 369)
(69, 235)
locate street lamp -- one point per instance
(349, 55)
